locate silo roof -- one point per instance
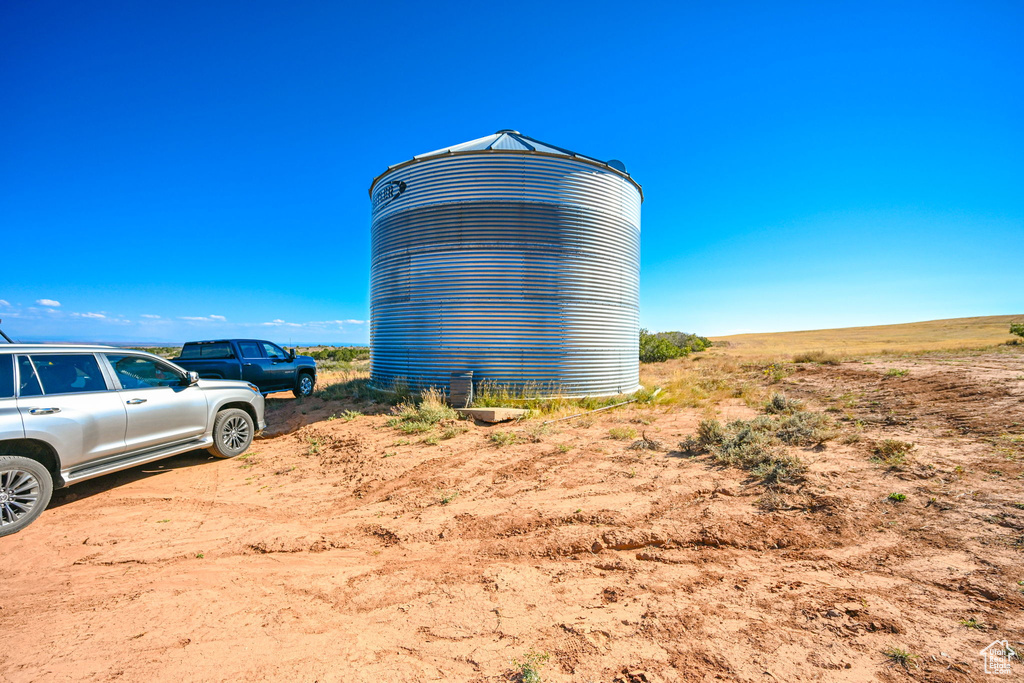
(508, 140)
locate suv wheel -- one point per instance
(304, 387)
(25, 490)
(232, 433)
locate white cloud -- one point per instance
(4, 303)
(151, 317)
(201, 318)
(89, 315)
(49, 303)
(321, 323)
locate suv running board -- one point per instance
(123, 462)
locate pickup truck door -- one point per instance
(65, 401)
(282, 369)
(162, 409)
(256, 367)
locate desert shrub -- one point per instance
(891, 452)
(454, 431)
(780, 470)
(818, 356)
(901, 657)
(415, 418)
(622, 433)
(758, 445)
(896, 372)
(1017, 329)
(502, 439)
(537, 433)
(691, 447)
(657, 347)
(528, 670)
(778, 404)
(710, 433)
(745, 446)
(646, 444)
(804, 428)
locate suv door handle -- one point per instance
(248, 365)
(136, 401)
(44, 411)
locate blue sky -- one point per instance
(171, 171)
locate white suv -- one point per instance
(71, 413)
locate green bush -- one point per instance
(1017, 329)
(657, 347)
(340, 354)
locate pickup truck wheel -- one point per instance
(232, 433)
(25, 490)
(304, 387)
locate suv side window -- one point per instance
(6, 376)
(68, 373)
(274, 351)
(250, 349)
(27, 379)
(138, 372)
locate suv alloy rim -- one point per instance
(19, 493)
(235, 433)
(306, 385)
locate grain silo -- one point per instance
(509, 258)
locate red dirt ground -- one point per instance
(337, 551)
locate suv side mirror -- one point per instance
(291, 355)
(191, 378)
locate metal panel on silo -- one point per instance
(513, 259)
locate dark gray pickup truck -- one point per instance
(263, 363)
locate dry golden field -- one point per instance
(932, 335)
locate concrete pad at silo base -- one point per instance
(492, 415)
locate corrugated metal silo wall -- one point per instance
(524, 269)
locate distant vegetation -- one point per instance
(162, 351)
(656, 347)
(1017, 329)
(339, 354)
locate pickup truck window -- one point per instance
(274, 351)
(250, 349)
(137, 372)
(197, 351)
(6, 376)
(69, 373)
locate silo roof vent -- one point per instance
(508, 140)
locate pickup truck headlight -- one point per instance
(252, 386)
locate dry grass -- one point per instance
(934, 335)
(703, 381)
